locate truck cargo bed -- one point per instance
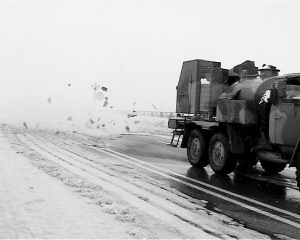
(180, 123)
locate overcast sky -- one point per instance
(134, 47)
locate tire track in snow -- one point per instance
(127, 191)
(148, 183)
(192, 182)
(173, 207)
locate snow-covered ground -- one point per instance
(42, 196)
(35, 205)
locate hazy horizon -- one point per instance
(58, 49)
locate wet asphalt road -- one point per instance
(264, 193)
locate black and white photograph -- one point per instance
(150, 119)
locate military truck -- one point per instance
(238, 116)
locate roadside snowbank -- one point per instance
(151, 125)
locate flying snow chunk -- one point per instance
(153, 106)
(105, 103)
(104, 89)
(130, 115)
(49, 100)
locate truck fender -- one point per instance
(185, 139)
(296, 154)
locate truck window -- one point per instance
(292, 92)
(292, 89)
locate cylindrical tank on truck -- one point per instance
(237, 117)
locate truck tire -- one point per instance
(220, 158)
(196, 149)
(272, 167)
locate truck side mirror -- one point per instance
(273, 95)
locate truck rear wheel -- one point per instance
(220, 159)
(272, 167)
(196, 151)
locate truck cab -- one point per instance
(284, 121)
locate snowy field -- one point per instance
(52, 187)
